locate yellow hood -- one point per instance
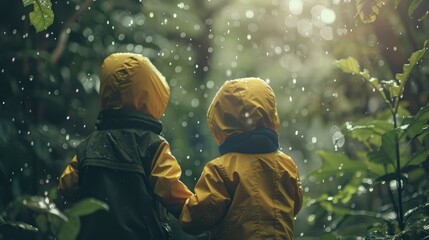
(242, 105)
(131, 81)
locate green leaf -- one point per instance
(386, 154)
(56, 223)
(53, 194)
(368, 9)
(414, 127)
(41, 205)
(348, 65)
(7, 224)
(388, 145)
(42, 15)
(368, 131)
(407, 68)
(424, 139)
(413, 6)
(42, 222)
(85, 207)
(348, 191)
(335, 164)
(70, 229)
(418, 157)
(379, 157)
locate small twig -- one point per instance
(64, 35)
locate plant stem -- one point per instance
(399, 185)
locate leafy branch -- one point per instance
(391, 91)
(386, 141)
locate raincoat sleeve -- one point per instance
(298, 197)
(69, 181)
(165, 181)
(209, 204)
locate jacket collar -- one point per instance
(262, 140)
(127, 118)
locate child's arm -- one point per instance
(298, 197)
(209, 204)
(165, 177)
(69, 181)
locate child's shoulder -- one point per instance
(287, 162)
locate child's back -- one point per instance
(125, 162)
(251, 191)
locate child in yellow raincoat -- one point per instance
(252, 190)
(125, 162)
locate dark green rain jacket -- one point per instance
(125, 162)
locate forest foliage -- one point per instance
(360, 138)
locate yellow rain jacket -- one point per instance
(125, 162)
(252, 190)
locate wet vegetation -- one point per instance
(350, 76)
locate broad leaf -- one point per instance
(379, 157)
(368, 9)
(386, 154)
(417, 125)
(42, 222)
(335, 164)
(41, 205)
(8, 224)
(42, 15)
(86, 206)
(368, 132)
(418, 157)
(407, 68)
(348, 65)
(424, 138)
(388, 145)
(348, 191)
(69, 230)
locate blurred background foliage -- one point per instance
(49, 83)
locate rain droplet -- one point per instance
(314, 140)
